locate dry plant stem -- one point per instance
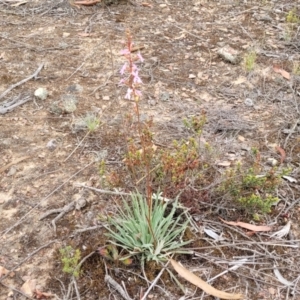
(103, 191)
(155, 281)
(77, 146)
(13, 163)
(87, 229)
(61, 212)
(76, 288)
(9, 106)
(109, 280)
(34, 75)
(44, 199)
(25, 259)
(83, 260)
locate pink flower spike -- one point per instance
(138, 93)
(122, 81)
(123, 69)
(128, 94)
(140, 57)
(136, 78)
(134, 68)
(124, 52)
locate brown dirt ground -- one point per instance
(183, 75)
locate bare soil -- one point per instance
(183, 75)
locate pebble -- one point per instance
(41, 93)
(248, 102)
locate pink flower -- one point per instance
(125, 52)
(123, 69)
(140, 57)
(138, 93)
(136, 78)
(128, 94)
(122, 81)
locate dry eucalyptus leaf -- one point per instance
(282, 72)
(29, 287)
(224, 163)
(289, 178)
(281, 278)
(213, 235)
(192, 278)
(248, 226)
(283, 231)
(3, 271)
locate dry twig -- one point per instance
(109, 280)
(34, 75)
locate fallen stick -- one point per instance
(7, 107)
(34, 75)
(13, 163)
(110, 281)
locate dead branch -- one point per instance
(109, 280)
(34, 75)
(9, 106)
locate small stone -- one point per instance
(151, 102)
(80, 203)
(12, 171)
(69, 103)
(241, 138)
(41, 93)
(192, 76)
(229, 54)
(272, 162)
(51, 145)
(105, 98)
(248, 102)
(65, 34)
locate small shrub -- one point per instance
(249, 61)
(70, 259)
(258, 203)
(292, 17)
(296, 68)
(91, 122)
(251, 190)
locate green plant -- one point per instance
(292, 20)
(249, 61)
(258, 203)
(249, 188)
(292, 17)
(70, 259)
(91, 122)
(196, 123)
(151, 232)
(296, 68)
(111, 253)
